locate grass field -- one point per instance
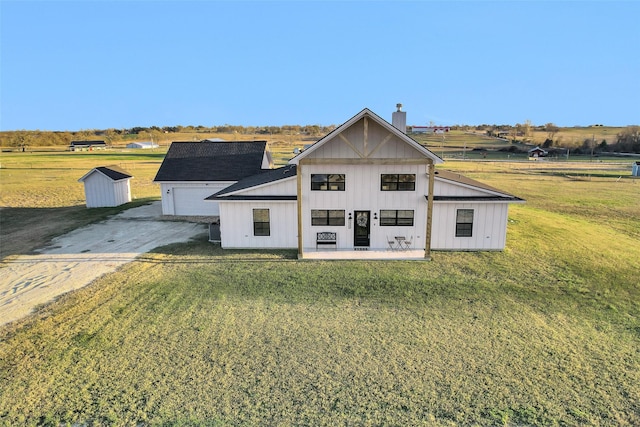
(545, 333)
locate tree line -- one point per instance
(37, 138)
(627, 140)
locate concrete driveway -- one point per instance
(77, 258)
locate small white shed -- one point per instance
(635, 170)
(106, 187)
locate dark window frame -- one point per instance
(398, 182)
(261, 228)
(327, 219)
(328, 182)
(464, 222)
(396, 219)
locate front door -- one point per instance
(362, 228)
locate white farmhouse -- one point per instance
(106, 187)
(366, 186)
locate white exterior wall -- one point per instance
(236, 227)
(188, 198)
(362, 193)
(101, 191)
(489, 226)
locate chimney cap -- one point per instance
(399, 107)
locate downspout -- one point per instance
(299, 190)
(427, 243)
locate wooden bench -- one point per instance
(326, 238)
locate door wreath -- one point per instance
(361, 219)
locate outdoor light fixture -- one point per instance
(375, 215)
(350, 219)
(168, 190)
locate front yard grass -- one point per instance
(545, 333)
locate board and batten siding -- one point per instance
(188, 199)
(488, 233)
(380, 144)
(101, 191)
(236, 229)
(363, 193)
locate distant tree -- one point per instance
(547, 143)
(603, 146)
(527, 129)
(551, 130)
(628, 141)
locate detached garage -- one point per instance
(106, 187)
(193, 171)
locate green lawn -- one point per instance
(545, 333)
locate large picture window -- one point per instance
(261, 226)
(398, 182)
(327, 182)
(396, 217)
(464, 223)
(327, 217)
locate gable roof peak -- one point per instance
(366, 112)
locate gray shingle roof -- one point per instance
(212, 161)
(255, 180)
(114, 172)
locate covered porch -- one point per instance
(380, 255)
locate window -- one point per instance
(261, 225)
(464, 223)
(398, 182)
(327, 182)
(327, 217)
(396, 217)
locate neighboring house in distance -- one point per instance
(635, 169)
(87, 145)
(145, 145)
(192, 171)
(360, 187)
(537, 152)
(106, 186)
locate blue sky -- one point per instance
(69, 65)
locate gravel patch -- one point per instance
(77, 258)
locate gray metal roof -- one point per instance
(461, 179)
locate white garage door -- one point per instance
(190, 201)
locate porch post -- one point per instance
(299, 190)
(427, 243)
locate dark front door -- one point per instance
(362, 228)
